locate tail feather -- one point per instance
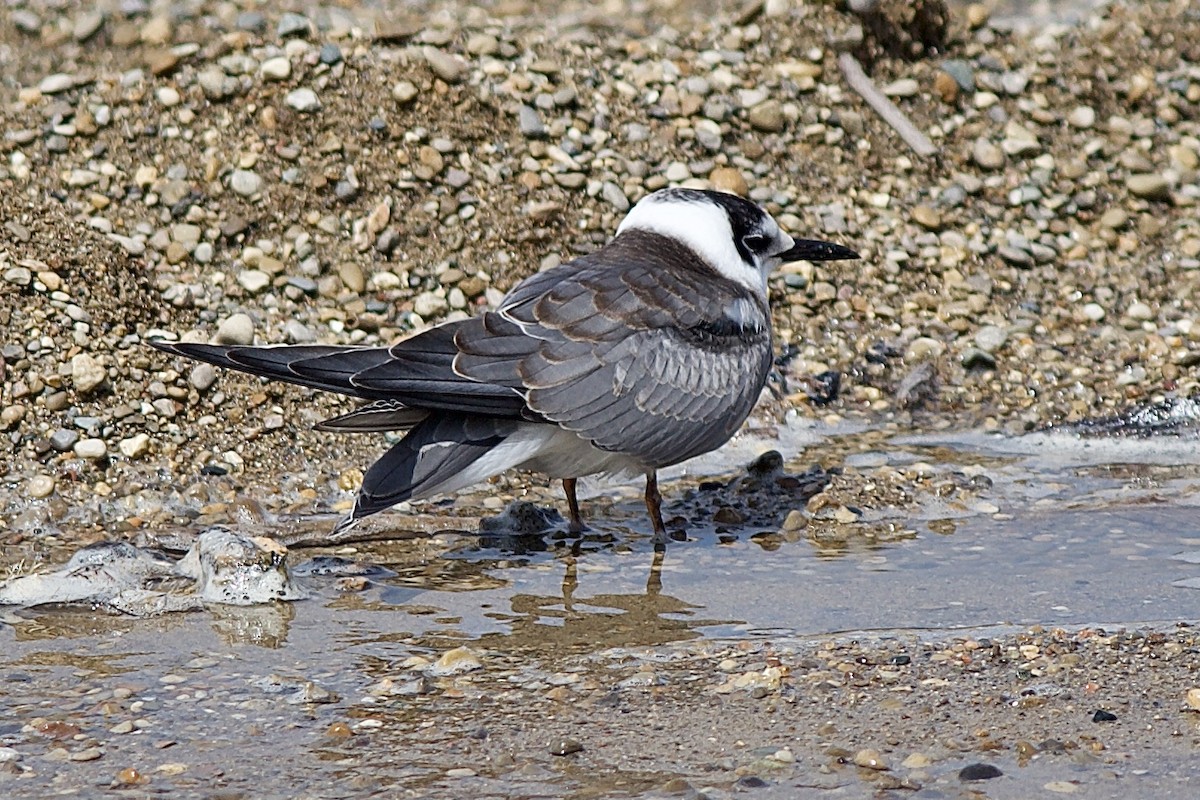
(377, 417)
(434, 453)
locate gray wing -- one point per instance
(654, 358)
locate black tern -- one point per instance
(643, 354)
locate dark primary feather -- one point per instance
(435, 450)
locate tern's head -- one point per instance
(737, 238)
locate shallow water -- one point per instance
(1064, 533)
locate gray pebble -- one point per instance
(615, 196)
(330, 54)
(63, 439)
(990, 338)
(203, 376)
(56, 83)
(293, 25)
(296, 332)
(530, 123)
(251, 21)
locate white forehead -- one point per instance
(704, 227)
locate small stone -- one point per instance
(1139, 311)
(446, 66)
(157, 30)
(1103, 716)
(1149, 186)
(203, 376)
(237, 329)
(870, 759)
(135, 446)
(728, 179)
(87, 374)
(1093, 312)
(945, 87)
(927, 217)
(429, 304)
(253, 280)
(530, 123)
(986, 154)
(767, 117)
(330, 54)
(292, 24)
(615, 196)
(63, 439)
(404, 92)
(905, 87)
(276, 69)
(978, 772)
(991, 338)
(87, 24)
(304, 100)
(1114, 219)
(565, 747)
(86, 754)
(20, 276)
(57, 83)
(1192, 698)
(40, 486)
(352, 276)
(245, 182)
(1082, 117)
(91, 449)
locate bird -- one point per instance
(640, 355)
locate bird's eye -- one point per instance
(755, 242)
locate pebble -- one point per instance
(728, 179)
(905, 87)
(135, 446)
(404, 92)
(57, 83)
(446, 66)
(1150, 186)
(986, 154)
(39, 486)
(767, 116)
(87, 374)
(236, 329)
(303, 99)
(292, 24)
(1083, 117)
(529, 122)
(253, 280)
(871, 759)
(91, 449)
(64, 439)
(244, 182)
(978, 772)
(203, 375)
(276, 69)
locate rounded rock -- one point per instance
(91, 449)
(276, 69)
(40, 486)
(237, 329)
(245, 182)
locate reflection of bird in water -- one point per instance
(567, 624)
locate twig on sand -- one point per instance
(884, 107)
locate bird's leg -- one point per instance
(654, 507)
(576, 525)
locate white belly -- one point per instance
(542, 448)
